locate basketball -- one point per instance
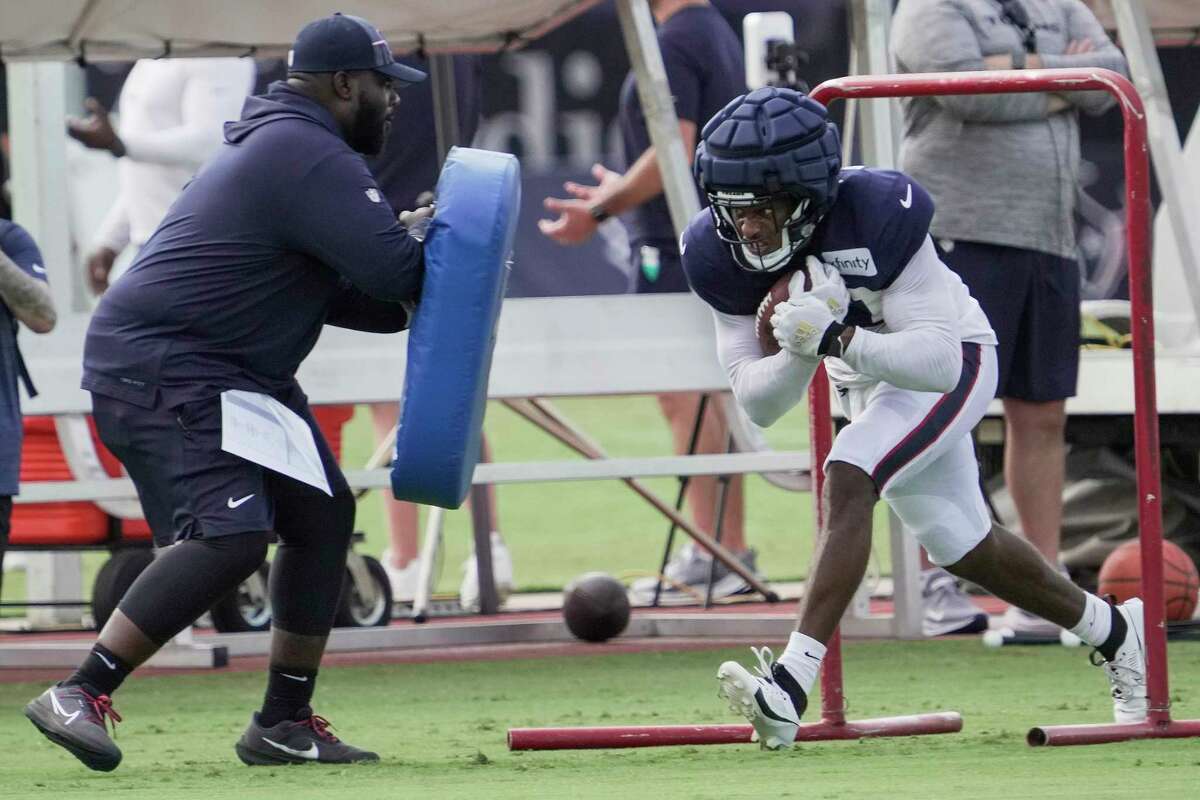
(781, 290)
(1121, 576)
(595, 607)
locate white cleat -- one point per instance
(761, 700)
(1127, 671)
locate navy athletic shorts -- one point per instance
(188, 486)
(657, 266)
(1032, 301)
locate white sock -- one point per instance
(1096, 624)
(802, 658)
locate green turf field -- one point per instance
(440, 729)
(556, 531)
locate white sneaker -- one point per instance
(690, 566)
(773, 712)
(403, 579)
(946, 609)
(1127, 671)
(502, 574)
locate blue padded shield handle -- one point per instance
(453, 333)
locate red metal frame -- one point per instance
(1137, 222)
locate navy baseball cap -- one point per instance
(344, 43)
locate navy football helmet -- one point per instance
(773, 150)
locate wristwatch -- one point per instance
(1018, 59)
(598, 213)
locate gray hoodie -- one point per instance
(1000, 168)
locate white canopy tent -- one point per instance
(129, 29)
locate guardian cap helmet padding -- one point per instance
(769, 143)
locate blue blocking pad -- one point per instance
(450, 343)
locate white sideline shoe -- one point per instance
(403, 579)
(502, 574)
(773, 712)
(1127, 671)
(946, 608)
(690, 567)
(1021, 622)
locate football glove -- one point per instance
(417, 221)
(806, 326)
(827, 286)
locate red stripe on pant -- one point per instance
(935, 423)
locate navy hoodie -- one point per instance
(284, 231)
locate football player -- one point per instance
(913, 360)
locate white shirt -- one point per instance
(172, 113)
(927, 313)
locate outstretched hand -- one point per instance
(575, 223)
(95, 131)
(99, 265)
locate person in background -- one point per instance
(705, 70)
(171, 114)
(1003, 170)
(24, 300)
(407, 171)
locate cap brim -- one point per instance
(400, 72)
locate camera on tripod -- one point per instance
(784, 60)
(772, 58)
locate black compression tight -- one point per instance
(310, 562)
(185, 579)
(306, 575)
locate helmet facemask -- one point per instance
(787, 215)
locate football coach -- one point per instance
(282, 232)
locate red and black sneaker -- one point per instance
(73, 717)
(303, 740)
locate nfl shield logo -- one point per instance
(374, 196)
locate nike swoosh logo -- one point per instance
(907, 201)
(310, 753)
(766, 709)
(810, 655)
(235, 503)
(301, 678)
(58, 709)
(107, 663)
(39, 269)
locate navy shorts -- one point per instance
(188, 486)
(1032, 301)
(657, 267)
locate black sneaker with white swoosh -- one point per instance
(74, 718)
(304, 740)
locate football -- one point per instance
(595, 607)
(781, 290)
